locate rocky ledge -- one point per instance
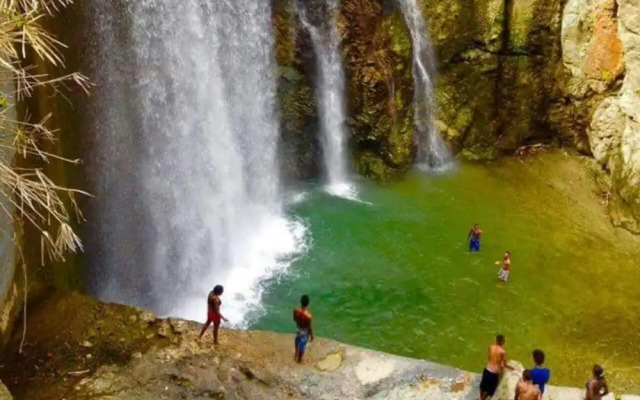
(77, 348)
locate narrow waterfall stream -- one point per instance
(433, 153)
(330, 89)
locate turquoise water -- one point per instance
(394, 274)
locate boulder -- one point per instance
(601, 49)
(4, 393)
(507, 387)
(605, 132)
(591, 47)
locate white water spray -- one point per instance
(185, 156)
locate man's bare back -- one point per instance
(526, 390)
(496, 358)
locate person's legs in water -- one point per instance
(474, 245)
(504, 275)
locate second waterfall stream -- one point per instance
(330, 90)
(433, 153)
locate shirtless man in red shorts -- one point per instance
(213, 314)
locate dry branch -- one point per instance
(27, 192)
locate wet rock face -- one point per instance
(502, 78)
(299, 116)
(378, 65)
(601, 49)
(499, 76)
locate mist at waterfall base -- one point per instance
(184, 165)
(330, 91)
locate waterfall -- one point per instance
(433, 153)
(184, 164)
(330, 89)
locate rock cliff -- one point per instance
(511, 73)
(601, 48)
(104, 351)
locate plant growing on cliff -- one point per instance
(27, 194)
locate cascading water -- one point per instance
(331, 94)
(433, 153)
(185, 155)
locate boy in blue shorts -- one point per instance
(304, 333)
(474, 238)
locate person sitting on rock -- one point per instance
(526, 389)
(597, 387)
(495, 364)
(539, 375)
(304, 332)
(213, 312)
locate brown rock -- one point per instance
(4, 393)
(605, 55)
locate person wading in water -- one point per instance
(495, 364)
(597, 387)
(213, 312)
(503, 274)
(474, 238)
(304, 332)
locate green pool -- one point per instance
(395, 274)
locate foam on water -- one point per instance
(344, 190)
(276, 244)
(297, 198)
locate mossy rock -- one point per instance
(378, 61)
(299, 114)
(370, 164)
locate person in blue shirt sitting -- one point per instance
(540, 375)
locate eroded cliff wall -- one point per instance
(601, 49)
(511, 73)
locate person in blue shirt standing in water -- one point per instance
(539, 375)
(474, 238)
